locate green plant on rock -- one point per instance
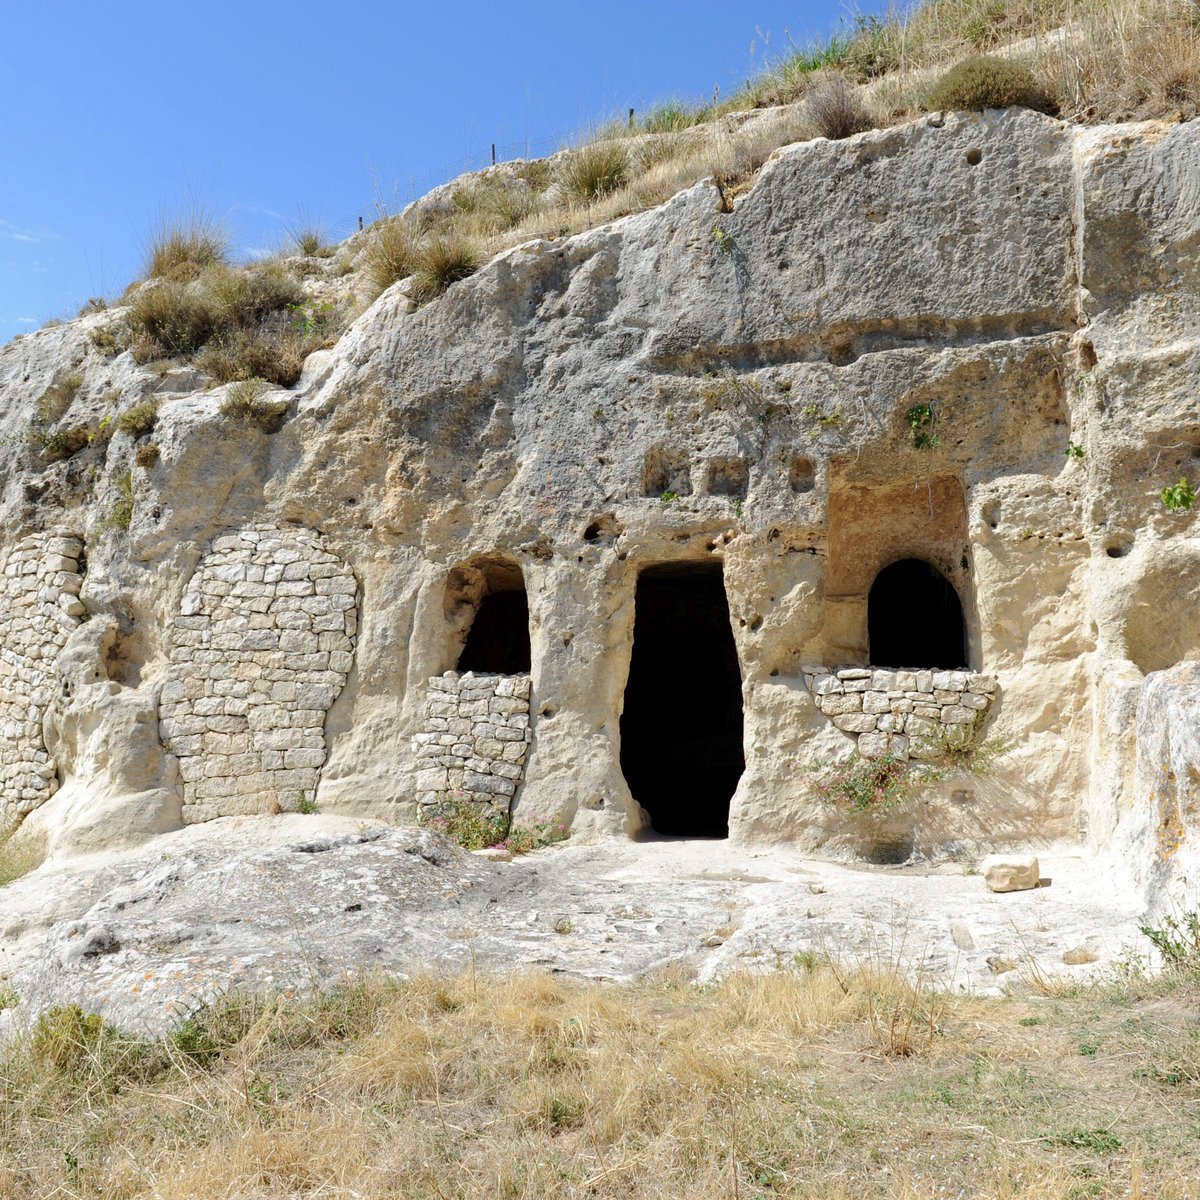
(120, 514)
(723, 240)
(870, 784)
(139, 420)
(1073, 450)
(1177, 939)
(669, 497)
(1179, 497)
(985, 82)
(920, 421)
(476, 827)
(245, 401)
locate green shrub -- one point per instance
(594, 171)
(182, 246)
(169, 319)
(441, 260)
(245, 402)
(140, 419)
(988, 82)
(64, 1037)
(244, 299)
(56, 399)
(1179, 497)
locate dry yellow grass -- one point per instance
(792, 1084)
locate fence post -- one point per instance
(631, 118)
(493, 154)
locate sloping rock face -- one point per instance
(970, 342)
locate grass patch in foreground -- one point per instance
(761, 1086)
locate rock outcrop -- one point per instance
(970, 342)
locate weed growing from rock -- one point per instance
(139, 420)
(1179, 497)
(246, 401)
(594, 171)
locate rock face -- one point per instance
(967, 345)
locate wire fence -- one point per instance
(413, 186)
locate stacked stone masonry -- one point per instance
(909, 713)
(261, 649)
(39, 606)
(475, 739)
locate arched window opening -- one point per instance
(915, 618)
(497, 639)
(681, 728)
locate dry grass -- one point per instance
(804, 1083)
(247, 402)
(186, 243)
(19, 854)
(56, 399)
(235, 323)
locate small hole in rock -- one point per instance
(1118, 549)
(974, 157)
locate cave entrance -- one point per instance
(681, 728)
(915, 618)
(497, 641)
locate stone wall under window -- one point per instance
(474, 742)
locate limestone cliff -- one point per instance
(969, 341)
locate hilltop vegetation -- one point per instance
(1084, 60)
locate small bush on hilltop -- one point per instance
(834, 109)
(594, 171)
(986, 82)
(440, 261)
(184, 245)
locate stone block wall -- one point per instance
(39, 606)
(475, 739)
(258, 654)
(915, 713)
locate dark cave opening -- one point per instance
(915, 618)
(498, 641)
(681, 728)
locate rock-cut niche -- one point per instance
(490, 593)
(915, 618)
(681, 727)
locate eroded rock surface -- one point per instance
(265, 903)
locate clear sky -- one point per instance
(116, 112)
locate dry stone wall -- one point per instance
(39, 606)
(912, 714)
(475, 739)
(261, 649)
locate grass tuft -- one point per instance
(139, 420)
(594, 171)
(19, 855)
(183, 245)
(245, 401)
(56, 399)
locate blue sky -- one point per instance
(115, 113)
